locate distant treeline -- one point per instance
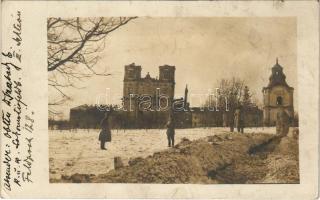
(89, 117)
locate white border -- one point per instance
(307, 13)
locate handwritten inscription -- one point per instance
(17, 29)
(7, 161)
(27, 162)
(17, 119)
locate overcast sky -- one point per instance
(204, 50)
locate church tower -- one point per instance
(277, 94)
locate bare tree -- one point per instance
(230, 92)
(74, 45)
(228, 97)
(247, 98)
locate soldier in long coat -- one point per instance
(170, 131)
(105, 133)
(283, 122)
(239, 119)
(231, 121)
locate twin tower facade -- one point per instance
(155, 92)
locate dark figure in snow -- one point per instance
(283, 122)
(239, 119)
(105, 133)
(231, 121)
(170, 131)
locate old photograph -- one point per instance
(173, 100)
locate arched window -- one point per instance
(279, 100)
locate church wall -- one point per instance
(129, 87)
(149, 88)
(273, 117)
(266, 96)
(280, 91)
(271, 107)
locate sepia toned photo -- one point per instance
(160, 99)
(200, 100)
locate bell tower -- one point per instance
(132, 72)
(277, 94)
(166, 73)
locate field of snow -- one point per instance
(79, 151)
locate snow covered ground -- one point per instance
(78, 151)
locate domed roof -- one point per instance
(277, 77)
(277, 66)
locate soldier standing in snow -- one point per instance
(239, 119)
(105, 133)
(231, 121)
(170, 131)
